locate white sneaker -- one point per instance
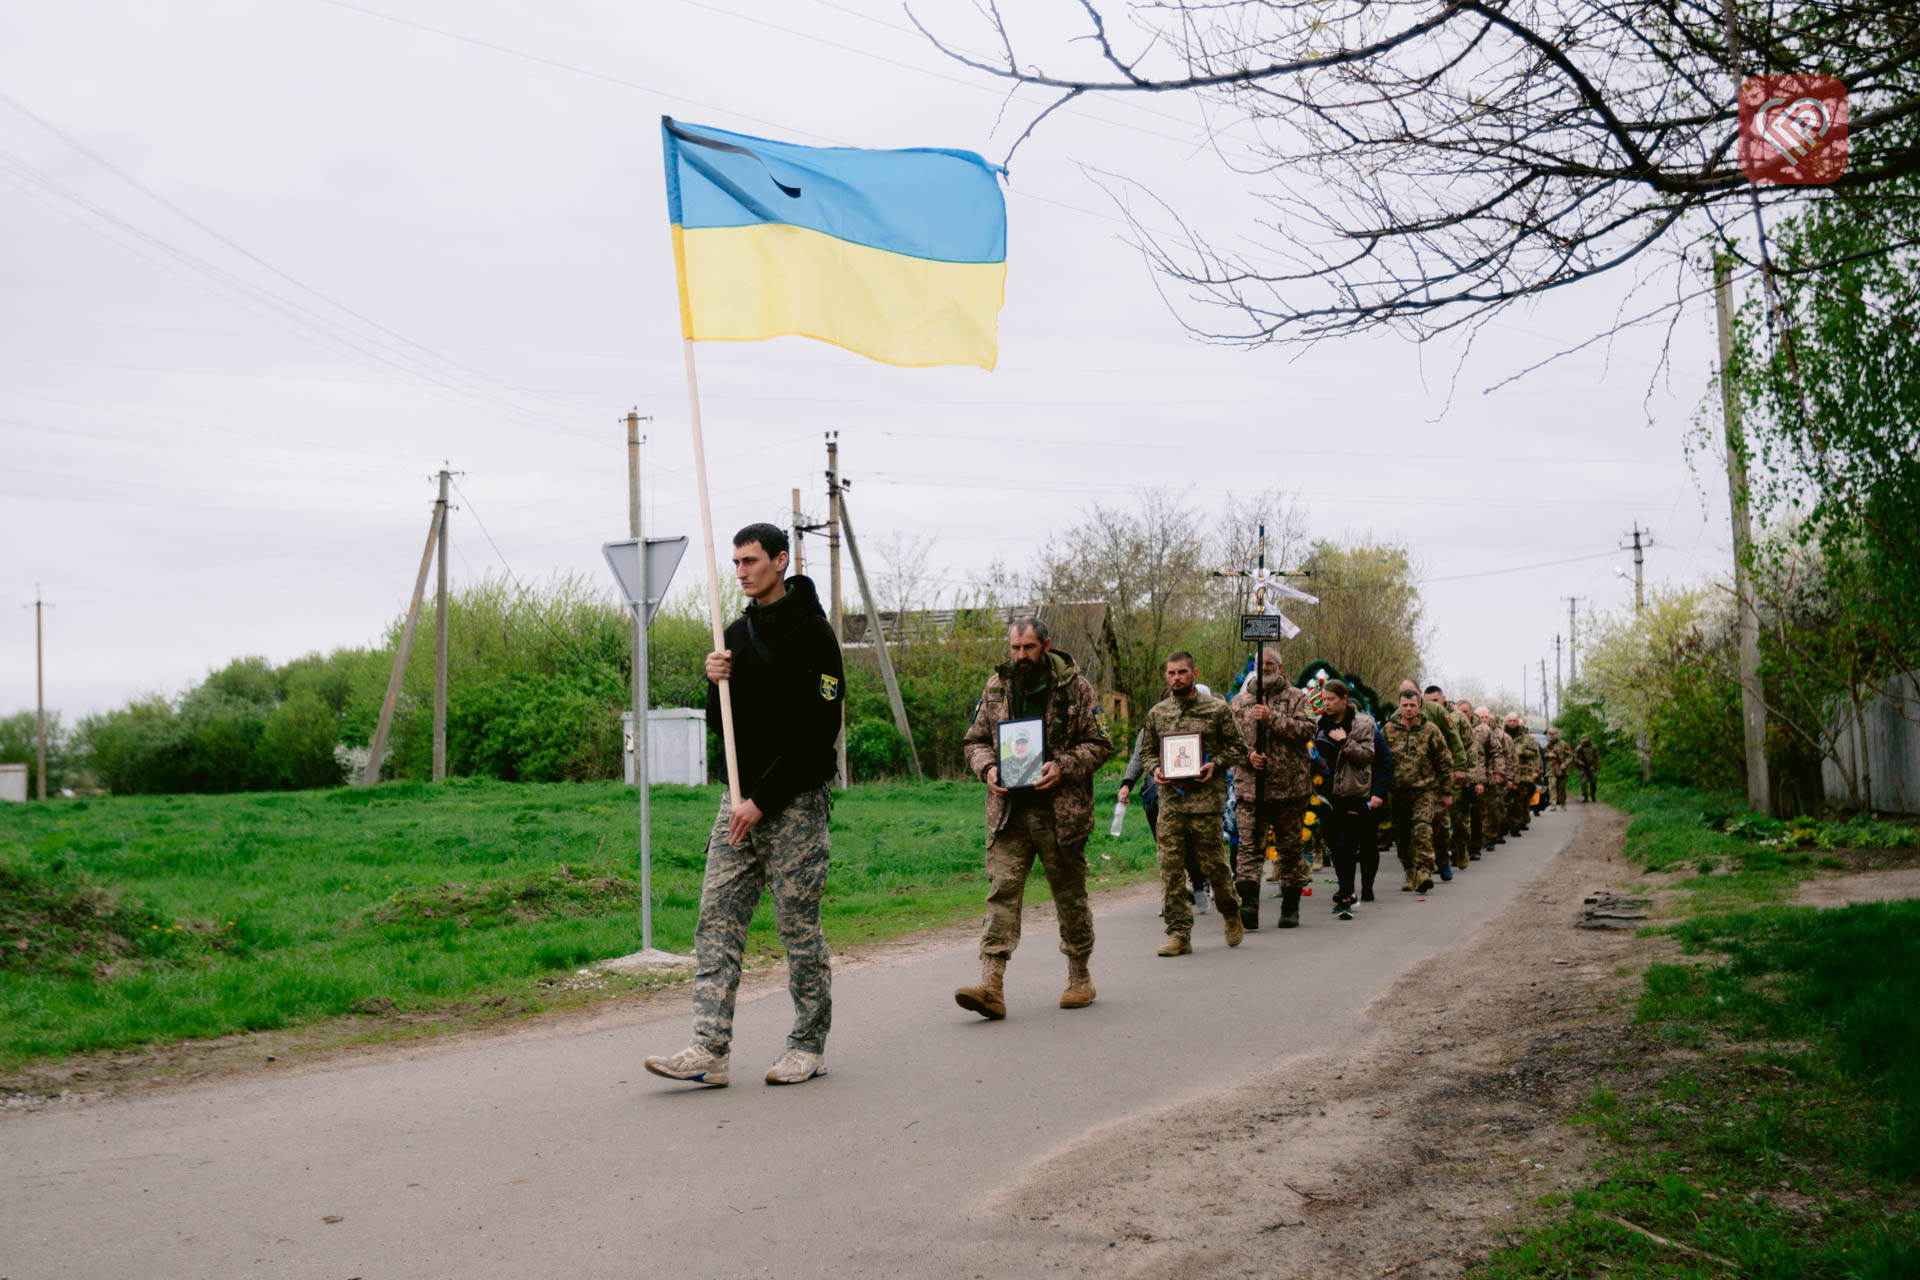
(1201, 898)
(692, 1063)
(797, 1066)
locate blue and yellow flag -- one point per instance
(900, 256)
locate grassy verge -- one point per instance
(150, 920)
(1766, 1122)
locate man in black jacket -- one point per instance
(787, 691)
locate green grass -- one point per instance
(1780, 1129)
(150, 920)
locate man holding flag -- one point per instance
(899, 256)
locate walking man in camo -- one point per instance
(1522, 775)
(1586, 758)
(1422, 778)
(1499, 759)
(787, 690)
(1190, 807)
(1048, 821)
(1559, 760)
(1284, 782)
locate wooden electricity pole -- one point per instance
(440, 639)
(833, 570)
(377, 751)
(1753, 709)
(878, 635)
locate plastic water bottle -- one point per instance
(1119, 818)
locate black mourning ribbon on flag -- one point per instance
(717, 145)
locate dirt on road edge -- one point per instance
(1406, 1157)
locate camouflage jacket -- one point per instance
(1524, 756)
(1420, 754)
(1442, 719)
(1463, 729)
(1220, 741)
(1290, 726)
(1559, 757)
(1496, 753)
(1586, 756)
(1077, 740)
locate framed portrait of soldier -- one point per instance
(1180, 755)
(1023, 749)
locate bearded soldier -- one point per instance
(1049, 821)
(1190, 807)
(1284, 783)
(1422, 772)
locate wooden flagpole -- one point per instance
(713, 574)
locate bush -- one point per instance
(19, 744)
(875, 749)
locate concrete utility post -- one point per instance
(1753, 708)
(1573, 639)
(1641, 541)
(639, 682)
(39, 693)
(1559, 686)
(799, 532)
(440, 642)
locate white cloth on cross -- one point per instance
(1269, 588)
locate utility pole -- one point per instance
(639, 684)
(1559, 687)
(878, 635)
(39, 692)
(833, 570)
(1753, 709)
(377, 750)
(1545, 712)
(440, 640)
(1642, 539)
(799, 532)
(1573, 639)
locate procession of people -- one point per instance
(1283, 770)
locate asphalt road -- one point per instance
(558, 1156)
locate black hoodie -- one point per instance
(788, 690)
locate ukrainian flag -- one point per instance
(900, 256)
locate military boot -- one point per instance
(1236, 932)
(1177, 944)
(1249, 891)
(1079, 992)
(989, 999)
(1290, 909)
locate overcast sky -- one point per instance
(273, 262)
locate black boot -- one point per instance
(1249, 891)
(1289, 908)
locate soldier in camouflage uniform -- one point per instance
(1437, 711)
(1190, 808)
(1499, 758)
(1285, 783)
(1474, 798)
(1522, 774)
(1049, 821)
(1467, 784)
(1586, 758)
(785, 687)
(1422, 774)
(1559, 760)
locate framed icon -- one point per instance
(1023, 750)
(1180, 755)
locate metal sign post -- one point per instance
(643, 567)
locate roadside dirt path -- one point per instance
(1405, 1156)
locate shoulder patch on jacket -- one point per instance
(829, 687)
(1100, 723)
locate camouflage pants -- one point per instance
(1486, 817)
(1010, 857)
(1518, 798)
(1588, 789)
(1560, 789)
(1466, 825)
(1413, 809)
(1286, 819)
(788, 853)
(1199, 834)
